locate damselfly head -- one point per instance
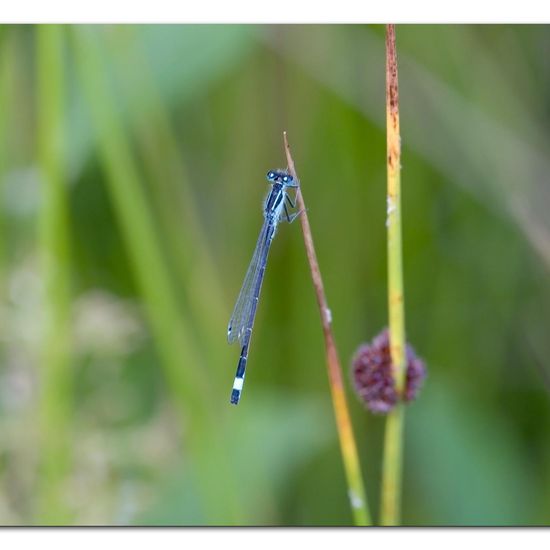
(279, 176)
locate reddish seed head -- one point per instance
(373, 378)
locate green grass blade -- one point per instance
(166, 175)
(179, 356)
(55, 405)
(184, 368)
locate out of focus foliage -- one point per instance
(132, 163)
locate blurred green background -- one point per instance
(132, 173)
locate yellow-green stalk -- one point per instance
(393, 440)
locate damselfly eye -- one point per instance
(271, 175)
(285, 179)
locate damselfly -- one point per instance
(242, 320)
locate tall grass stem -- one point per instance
(348, 447)
(393, 440)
